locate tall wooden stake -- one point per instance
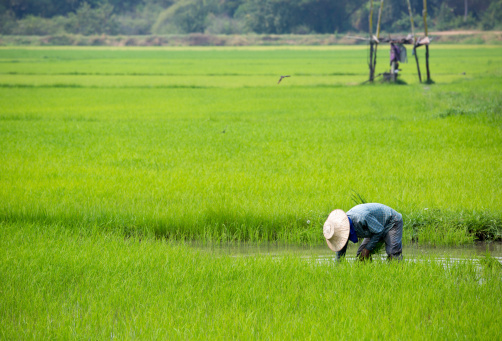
(377, 35)
(372, 70)
(465, 10)
(414, 41)
(426, 45)
(372, 73)
(418, 65)
(379, 19)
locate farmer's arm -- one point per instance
(342, 252)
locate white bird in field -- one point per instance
(280, 79)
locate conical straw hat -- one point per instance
(336, 230)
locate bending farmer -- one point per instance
(376, 223)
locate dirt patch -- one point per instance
(448, 37)
(461, 32)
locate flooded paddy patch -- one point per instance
(321, 250)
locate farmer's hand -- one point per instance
(365, 254)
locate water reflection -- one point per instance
(409, 251)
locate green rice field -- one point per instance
(114, 162)
(202, 143)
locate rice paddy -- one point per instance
(58, 284)
(205, 144)
(114, 160)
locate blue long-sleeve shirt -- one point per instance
(371, 221)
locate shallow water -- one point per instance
(322, 251)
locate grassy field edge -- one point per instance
(433, 228)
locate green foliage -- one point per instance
(46, 8)
(236, 16)
(270, 16)
(7, 22)
(87, 20)
(403, 24)
(185, 16)
(280, 16)
(224, 25)
(139, 22)
(447, 20)
(31, 25)
(492, 17)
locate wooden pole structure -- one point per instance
(379, 19)
(372, 71)
(426, 45)
(377, 34)
(414, 41)
(465, 10)
(393, 71)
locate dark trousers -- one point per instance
(393, 241)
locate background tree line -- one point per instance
(142, 17)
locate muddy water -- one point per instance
(322, 251)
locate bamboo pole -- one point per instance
(465, 10)
(377, 34)
(371, 62)
(371, 19)
(414, 41)
(412, 24)
(426, 45)
(379, 19)
(372, 71)
(418, 64)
